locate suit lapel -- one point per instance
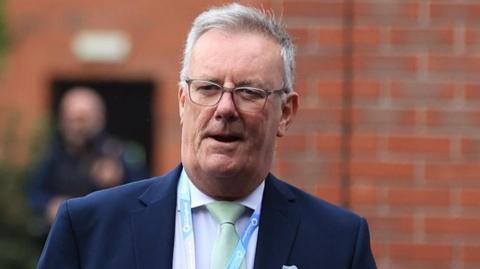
(153, 223)
(278, 225)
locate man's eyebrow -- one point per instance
(250, 83)
(211, 79)
(218, 81)
(242, 83)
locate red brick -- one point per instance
(433, 117)
(451, 12)
(330, 91)
(452, 226)
(453, 173)
(472, 37)
(470, 148)
(409, 117)
(301, 87)
(419, 145)
(426, 38)
(334, 170)
(366, 36)
(314, 119)
(393, 226)
(300, 36)
(364, 195)
(314, 10)
(364, 143)
(422, 92)
(292, 143)
(331, 37)
(471, 253)
(383, 117)
(472, 92)
(455, 67)
(308, 174)
(329, 193)
(380, 250)
(416, 197)
(316, 64)
(386, 12)
(474, 265)
(329, 143)
(470, 197)
(365, 90)
(382, 170)
(420, 252)
(450, 118)
(475, 117)
(386, 66)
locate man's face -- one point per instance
(228, 152)
(81, 120)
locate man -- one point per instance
(221, 208)
(82, 159)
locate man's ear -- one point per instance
(181, 102)
(289, 110)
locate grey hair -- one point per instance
(238, 17)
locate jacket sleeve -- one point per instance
(37, 192)
(363, 257)
(60, 250)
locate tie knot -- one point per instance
(224, 211)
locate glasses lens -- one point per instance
(250, 99)
(247, 99)
(204, 92)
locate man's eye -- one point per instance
(208, 88)
(251, 93)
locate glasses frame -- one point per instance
(232, 91)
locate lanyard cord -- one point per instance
(185, 209)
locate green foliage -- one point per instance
(18, 247)
(4, 41)
(20, 229)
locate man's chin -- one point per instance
(222, 166)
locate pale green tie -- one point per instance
(226, 213)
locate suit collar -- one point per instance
(153, 223)
(278, 225)
(162, 188)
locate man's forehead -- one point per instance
(248, 57)
(228, 35)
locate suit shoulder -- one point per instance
(316, 207)
(127, 197)
(119, 195)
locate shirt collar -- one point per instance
(198, 198)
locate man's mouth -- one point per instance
(226, 138)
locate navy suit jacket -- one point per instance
(133, 226)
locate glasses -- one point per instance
(247, 99)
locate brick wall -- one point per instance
(392, 96)
(389, 123)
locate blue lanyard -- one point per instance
(184, 206)
(238, 254)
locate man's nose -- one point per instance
(226, 108)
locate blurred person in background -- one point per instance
(83, 158)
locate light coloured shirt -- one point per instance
(206, 228)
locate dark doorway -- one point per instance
(128, 104)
